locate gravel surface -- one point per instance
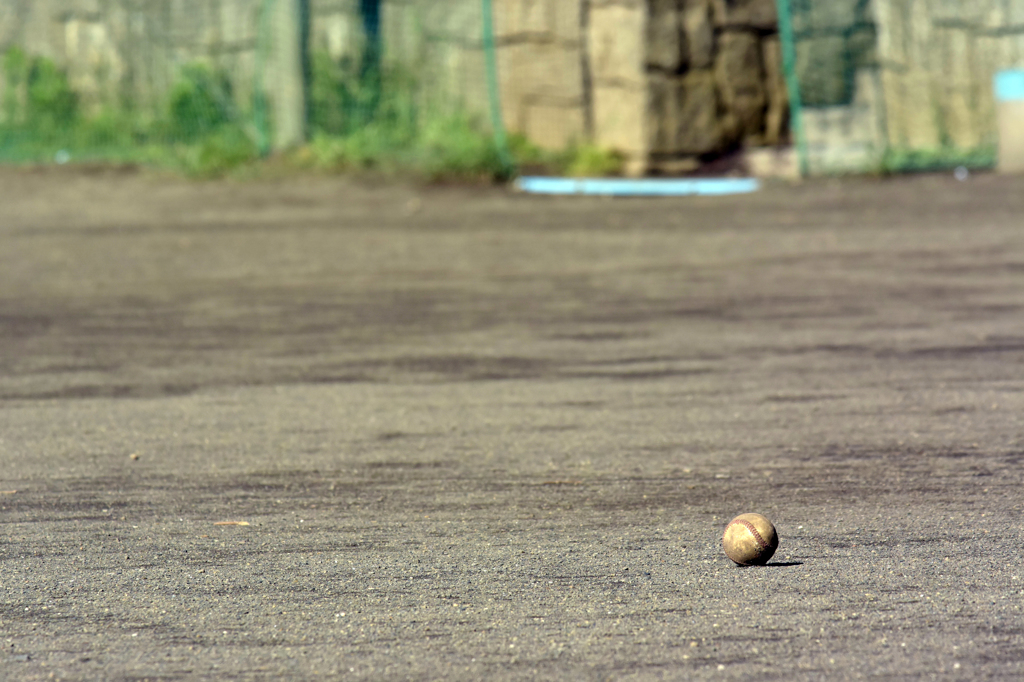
(313, 428)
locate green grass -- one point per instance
(380, 121)
(367, 122)
(361, 122)
(576, 160)
(441, 148)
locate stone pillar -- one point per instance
(290, 23)
(616, 37)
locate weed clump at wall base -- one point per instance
(374, 119)
(576, 160)
(205, 124)
(200, 103)
(217, 153)
(444, 149)
(39, 107)
(591, 161)
(453, 147)
(945, 158)
(52, 107)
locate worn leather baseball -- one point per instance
(750, 539)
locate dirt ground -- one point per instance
(481, 435)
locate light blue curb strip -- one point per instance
(1009, 86)
(620, 187)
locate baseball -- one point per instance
(750, 539)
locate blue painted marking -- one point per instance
(1009, 86)
(622, 187)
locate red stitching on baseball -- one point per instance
(753, 531)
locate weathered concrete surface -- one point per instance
(478, 435)
(852, 137)
(938, 60)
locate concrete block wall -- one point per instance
(616, 32)
(837, 67)
(541, 67)
(849, 137)
(938, 59)
(116, 48)
(901, 75)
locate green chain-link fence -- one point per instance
(893, 85)
(203, 84)
(198, 85)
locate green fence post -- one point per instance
(493, 90)
(792, 83)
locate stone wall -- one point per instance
(665, 82)
(675, 81)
